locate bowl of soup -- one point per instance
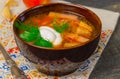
(57, 38)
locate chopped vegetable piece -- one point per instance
(36, 21)
(21, 26)
(30, 32)
(60, 27)
(44, 43)
(46, 21)
(70, 37)
(85, 26)
(60, 15)
(28, 36)
(83, 32)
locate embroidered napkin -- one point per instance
(7, 39)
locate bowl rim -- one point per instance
(56, 3)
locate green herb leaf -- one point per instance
(34, 30)
(60, 27)
(32, 33)
(28, 36)
(64, 26)
(44, 43)
(21, 26)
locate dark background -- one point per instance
(108, 66)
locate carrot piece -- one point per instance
(36, 21)
(47, 20)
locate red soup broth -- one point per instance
(79, 30)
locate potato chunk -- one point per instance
(85, 26)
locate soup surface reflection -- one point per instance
(57, 30)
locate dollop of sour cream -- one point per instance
(50, 34)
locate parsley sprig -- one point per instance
(60, 27)
(32, 34)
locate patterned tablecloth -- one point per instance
(7, 39)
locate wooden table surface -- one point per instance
(108, 66)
